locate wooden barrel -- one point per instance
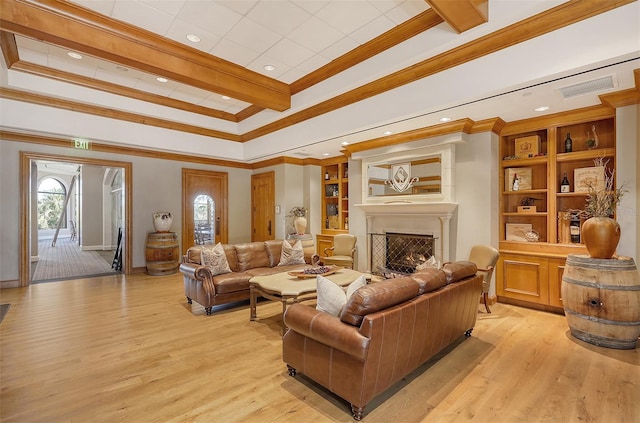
(601, 300)
(162, 253)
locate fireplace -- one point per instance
(400, 252)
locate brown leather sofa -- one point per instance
(385, 331)
(245, 260)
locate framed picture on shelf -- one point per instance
(517, 179)
(526, 147)
(589, 177)
(516, 231)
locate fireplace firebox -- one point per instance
(399, 252)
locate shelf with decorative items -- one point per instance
(335, 200)
(550, 160)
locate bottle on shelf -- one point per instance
(326, 175)
(564, 185)
(346, 223)
(574, 229)
(516, 182)
(568, 144)
(346, 172)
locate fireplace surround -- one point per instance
(400, 252)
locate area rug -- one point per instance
(4, 308)
(66, 260)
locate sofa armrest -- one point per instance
(199, 273)
(326, 329)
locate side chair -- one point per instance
(485, 257)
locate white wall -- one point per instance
(157, 186)
(628, 174)
(91, 209)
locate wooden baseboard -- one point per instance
(535, 306)
(10, 284)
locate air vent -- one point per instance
(600, 84)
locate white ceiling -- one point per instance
(299, 36)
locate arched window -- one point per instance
(204, 211)
(51, 200)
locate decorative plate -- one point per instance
(312, 272)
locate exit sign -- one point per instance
(81, 144)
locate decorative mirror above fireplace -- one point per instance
(418, 175)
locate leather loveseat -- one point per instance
(386, 330)
(245, 261)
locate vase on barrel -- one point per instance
(601, 235)
(300, 224)
(162, 221)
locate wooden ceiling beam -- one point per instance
(70, 26)
(461, 15)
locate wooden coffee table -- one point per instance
(289, 289)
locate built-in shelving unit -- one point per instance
(335, 201)
(530, 272)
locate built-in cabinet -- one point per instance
(335, 201)
(535, 226)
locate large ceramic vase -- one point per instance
(162, 221)
(300, 223)
(601, 236)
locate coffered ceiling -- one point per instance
(300, 78)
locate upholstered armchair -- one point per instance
(485, 257)
(344, 251)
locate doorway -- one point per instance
(263, 205)
(75, 217)
(204, 207)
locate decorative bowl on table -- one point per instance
(312, 272)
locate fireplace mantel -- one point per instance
(435, 209)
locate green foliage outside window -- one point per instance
(51, 196)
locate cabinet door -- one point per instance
(556, 269)
(524, 278)
(324, 241)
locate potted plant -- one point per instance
(600, 231)
(299, 215)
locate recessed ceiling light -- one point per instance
(193, 38)
(226, 97)
(161, 79)
(74, 55)
(325, 154)
(269, 68)
(388, 132)
(344, 143)
(541, 108)
(445, 119)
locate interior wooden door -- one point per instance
(206, 183)
(263, 206)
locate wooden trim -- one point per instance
(112, 88)
(558, 119)
(9, 48)
(117, 149)
(77, 106)
(462, 15)
(462, 125)
(25, 176)
(535, 26)
(74, 27)
(418, 24)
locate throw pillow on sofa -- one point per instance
(332, 298)
(215, 260)
(291, 254)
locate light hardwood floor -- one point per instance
(131, 349)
